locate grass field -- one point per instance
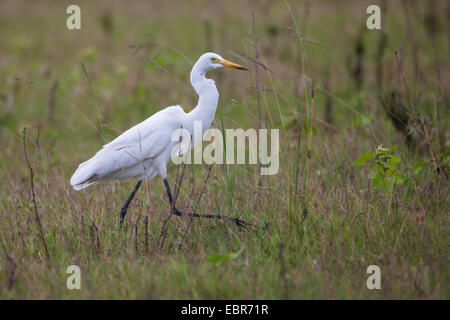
(335, 90)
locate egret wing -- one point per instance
(144, 141)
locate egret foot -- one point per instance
(179, 213)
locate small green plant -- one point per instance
(385, 172)
(219, 259)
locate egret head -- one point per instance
(210, 61)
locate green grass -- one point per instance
(319, 223)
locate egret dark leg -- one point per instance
(197, 215)
(123, 211)
(172, 204)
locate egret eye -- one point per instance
(213, 59)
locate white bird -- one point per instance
(144, 150)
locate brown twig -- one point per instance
(196, 207)
(36, 213)
(188, 203)
(95, 240)
(136, 239)
(51, 99)
(257, 90)
(146, 233)
(412, 114)
(11, 267)
(311, 116)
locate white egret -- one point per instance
(144, 150)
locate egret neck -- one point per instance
(208, 98)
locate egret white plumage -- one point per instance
(144, 150)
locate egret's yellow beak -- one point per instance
(229, 64)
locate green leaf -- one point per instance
(393, 161)
(418, 167)
(377, 180)
(398, 178)
(219, 259)
(366, 157)
(89, 53)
